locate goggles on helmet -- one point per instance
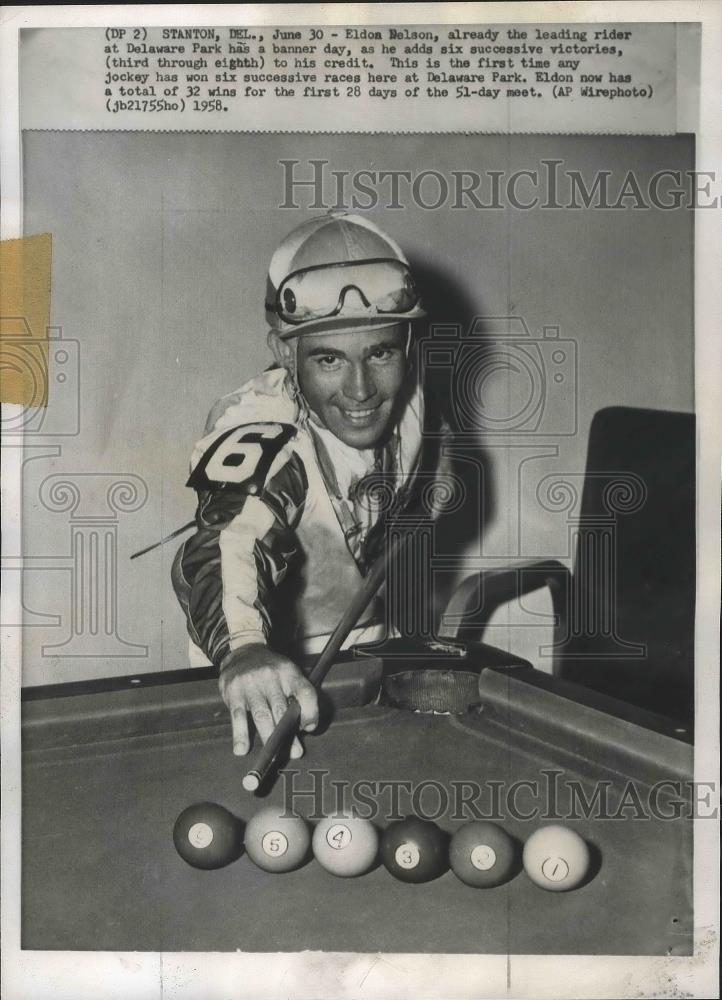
(379, 285)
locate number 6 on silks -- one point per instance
(241, 456)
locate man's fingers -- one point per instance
(263, 694)
(262, 716)
(278, 708)
(239, 724)
(307, 697)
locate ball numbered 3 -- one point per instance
(414, 850)
(277, 842)
(345, 845)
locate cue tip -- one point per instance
(251, 781)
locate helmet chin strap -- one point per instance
(292, 375)
(409, 333)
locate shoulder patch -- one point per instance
(241, 457)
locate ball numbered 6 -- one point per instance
(208, 836)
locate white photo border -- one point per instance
(77, 975)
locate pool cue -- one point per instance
(288, 723)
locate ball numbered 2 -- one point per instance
(482, 854)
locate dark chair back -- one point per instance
(631, 621)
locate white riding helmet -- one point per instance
(336, 272)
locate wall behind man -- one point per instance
(160, 249)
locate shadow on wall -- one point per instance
(450, 309)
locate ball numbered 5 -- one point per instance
(277, 842)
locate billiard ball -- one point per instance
(414, 850)
(208, 836)
(556, 858)
(345, 845)
(277, 842)
(482, 854)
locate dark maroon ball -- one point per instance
(415, 850)
(208, 836)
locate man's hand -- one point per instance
(259, 682)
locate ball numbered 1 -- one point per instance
(414, 850)
(208, 836)
(482, 854)
(276, 842)
(345, 845)
(556, 858)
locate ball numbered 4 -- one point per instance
(208, 836)
(345, 845)
(482, 854)
(277, 842)
(556, 858)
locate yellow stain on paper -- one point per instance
(24, 319)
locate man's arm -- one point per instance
(225, 574)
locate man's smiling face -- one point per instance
(352, 379)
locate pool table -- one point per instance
(108, 766)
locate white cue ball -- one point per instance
(556, 858)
